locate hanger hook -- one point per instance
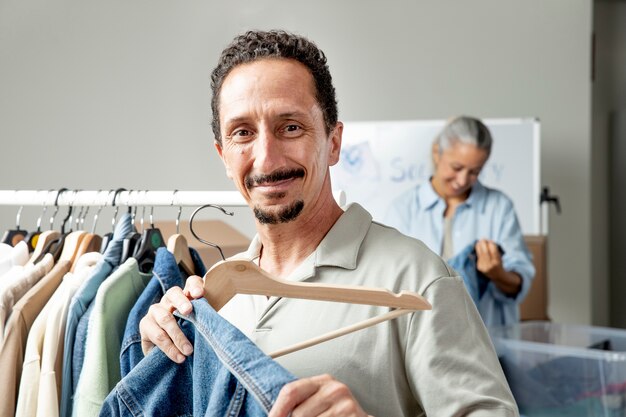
(117, 208)
(82, 220)
(45, 206)
(17, 218)
(56, 207)
(180, 209)
(143, 212)
(151, 220)
(80, 214)
(70, 216)
(95, 217)
(206, 242)
(135, 205)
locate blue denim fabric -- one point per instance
(465, 264)
(165, 275)
(79, 306)
(78, 357)
(227, 375)
(492, 310)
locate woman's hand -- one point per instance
(159, 327)
(489, 262)
(316, 396)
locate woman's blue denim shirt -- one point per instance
(227, 375)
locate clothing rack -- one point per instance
(119, 198)
(127, 198)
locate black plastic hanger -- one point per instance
(131, 240)
(14, 236)
(55, 246)
(145, 252)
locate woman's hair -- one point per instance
(464, 129)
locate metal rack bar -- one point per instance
(125, 198)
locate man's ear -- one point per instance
(335, 144)
(220, 152)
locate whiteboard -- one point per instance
(380, 160)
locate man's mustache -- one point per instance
(275, 176)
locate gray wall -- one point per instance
(108, 94)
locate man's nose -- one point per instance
(268, 151)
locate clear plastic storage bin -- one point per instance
(564, 370)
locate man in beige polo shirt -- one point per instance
(276, 130)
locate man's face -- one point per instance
(274, 144)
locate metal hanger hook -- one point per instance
(133, 211)
(17, 218)
(56, 207)
(206, 242)
(45, 207)
(151, 220)
(117, 208)
(95, 217)
(69, 213)
(180, 210)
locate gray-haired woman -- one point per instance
(457, 216)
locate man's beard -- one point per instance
(285, 215)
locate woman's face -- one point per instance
(457, 169)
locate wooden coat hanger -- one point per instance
(72, 241)
(71, 245)
(90, 242)
(236, 276)
(230, 277)
(177, 246)
(45, 238)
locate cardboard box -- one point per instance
(230, 240)
(535, 306)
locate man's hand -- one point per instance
(315, 396)
(159, 327)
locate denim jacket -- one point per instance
(165, 275)
(227, 375)
(494, 310)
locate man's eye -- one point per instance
(292, 130)
(240, 135)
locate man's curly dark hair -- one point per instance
(254, 45)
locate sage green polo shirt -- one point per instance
(437, 363)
